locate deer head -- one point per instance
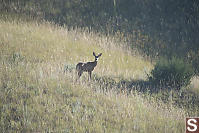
(96, 57)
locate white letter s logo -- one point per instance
(192, 125)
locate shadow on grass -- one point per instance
(183, 98)
(107, 82)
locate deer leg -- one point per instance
(80, 74)
(89, 75)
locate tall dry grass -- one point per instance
(38, 96)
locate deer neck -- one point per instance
(95, 62)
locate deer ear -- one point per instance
(94, 54)
(99, 54)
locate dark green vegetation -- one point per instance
(174, 73)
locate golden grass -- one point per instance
(47, 42)
(55, 102)
(37, 96)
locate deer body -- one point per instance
(87, 67)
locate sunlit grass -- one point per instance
(46, 42)
(37, 96)
(55, 102)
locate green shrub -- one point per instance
(172, 73)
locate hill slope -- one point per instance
(37, 96)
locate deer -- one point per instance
(87, 67)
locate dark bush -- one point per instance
(172, 73)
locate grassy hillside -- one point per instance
(38, 96)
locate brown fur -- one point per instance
(87, 67)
